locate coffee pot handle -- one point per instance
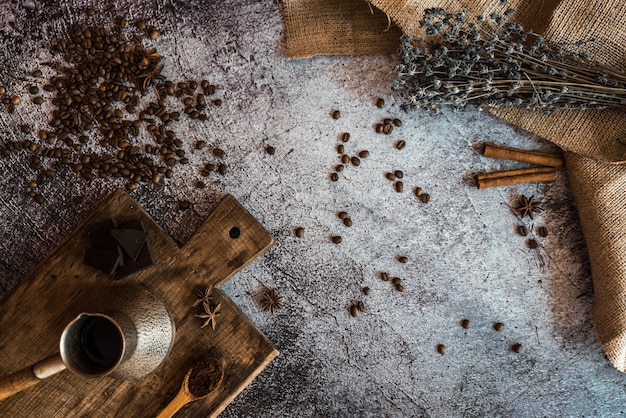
(25, 378)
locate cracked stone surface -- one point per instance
(465, 258)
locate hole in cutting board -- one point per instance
(234, 232)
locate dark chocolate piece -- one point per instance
(144, 259)
(101, 238)
(131, 241)
(104, 260)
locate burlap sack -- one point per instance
(594, 141)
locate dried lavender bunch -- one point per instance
(491, 62)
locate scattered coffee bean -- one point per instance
(37, 100)
(387, 121)
(38, 198)
(218, 152)
(364, 154)
(299, 232)
(222, 169)
(379, 128)
(399, 288)
(387, 129)
(339, 168)
(361, 306)
(397, 122)
(498, 326)
(270, 150)
(418, 191)
(36, 73)
(396, 280)
(336, 114)
(32, 184)
(141, 25)
(2, 90)
(153, 34)
(33, 89)
(184, 204)
(345, 137)
(400, 145)
(441, 349)
(384, 276)
(355, 161)
(380, 103)
(90, 11)
(354, 310)
(334, 176)
(390, 176)
(200, 184)
(366, 291)
(517, 347)
(25, 129)
(542, 231)
(425, 198)
(403, 259)
(532, 243)
(340, 149)
(342, 215)
(399, 186)
(345, 159)
(399, 174)
(199, 145)
(522, 230)
(465, 323)
(336, 239)
(347, 222)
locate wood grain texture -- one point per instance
(60, 286)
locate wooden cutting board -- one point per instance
(33, 316)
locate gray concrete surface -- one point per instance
(465, 259)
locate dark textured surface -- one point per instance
(465, 258)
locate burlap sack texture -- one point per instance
(594, 141)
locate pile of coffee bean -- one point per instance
(99, 89)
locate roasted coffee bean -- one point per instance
(379, 128)
(200, 184)
(345, 159)
(339, 168)
(384, 276)
(270, 150)
(25, 129)
(387, 121)
(2, 90)
(90, 11)
(347, 222)
(400, 145)
(32, 184)
(522, 230)
(399, 186)
(355, 161)
(38, 198)
(425, 198)
(399, 174)
(200, 144)
(37, 100)
(36, 73)
(397, 122)
(403, 259)
(141, 25)
(396, 280)
(222, 169)
(364, 154)
(33, 89)
(334, 176)
(336, 114)
(418, 191)
(390, 176)
(442, 349)
(532, 243)
(380, 103)
(340, 149)
(465, 323)
(299, 232)
(399, 288)
(156, 177)
(218, 152)
(153, 34)
(366, 291)
(388, 129)
(131, 186)
(15, 100)
(184, 204)
(361, 306)
(542, 231)
(342, 215)
(354, 310)
(345, 137)
(336, 239)
(498, 326)
(517, 348)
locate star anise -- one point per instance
(528, 206)
(203, 297)
(271, 301)
(148, 56)
(210, 315)
(147, 79)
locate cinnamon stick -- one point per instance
(521, 155)
(519, 176)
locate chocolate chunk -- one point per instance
(104, 260)
(144, 259)
(101, 238)
(131, 241)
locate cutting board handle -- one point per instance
(25, 378)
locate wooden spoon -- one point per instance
(200, 380)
